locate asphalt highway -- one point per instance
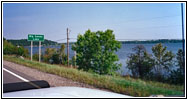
(12, 76)
(14, 80)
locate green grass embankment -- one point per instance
(128, 86)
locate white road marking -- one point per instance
(23, 79)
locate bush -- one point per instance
(8, 48)
(36, 57)
(21, 51)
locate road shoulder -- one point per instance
(53, 80)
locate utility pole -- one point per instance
(67, 47)
(183, 31)
(183, 44)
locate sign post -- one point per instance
(31, 50)
(39, 51)
(35, 37)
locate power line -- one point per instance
(72, 38)
(133, 20)
(65, 39)
(157, 27)
(61, 39)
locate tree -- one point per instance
(48, 54)
(140, 62)
(73, 61)
(8, 48)
(4, 39)
(178, 76)
(62, 56)
(163, 60)
(20, 51)
(180, 59)
(96, 52)
(62, 49)
(55, 58)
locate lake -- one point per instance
(122, 53)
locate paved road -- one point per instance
(14, 80)
(11, 76)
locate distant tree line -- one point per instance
(154, 41)
(25, 42)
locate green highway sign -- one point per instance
(35, 37)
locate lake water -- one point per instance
(122, 53)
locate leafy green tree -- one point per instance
(178, 76)
(4, 39)
(73, 61)
(96, 52)
(63, 56)
(163, 60)
(64, 60)
(20, 51)
(8, 48)
(55, 58)
(180, 59)
(62, 49)
(140, 63)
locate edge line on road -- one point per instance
(23, 79)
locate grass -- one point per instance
(128, 86)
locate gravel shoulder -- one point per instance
(53, 80)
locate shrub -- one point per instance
(36, 57)
(8, 48)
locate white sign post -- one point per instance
(39, 51)
(34, 37)
(31, 50)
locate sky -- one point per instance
(129, 21)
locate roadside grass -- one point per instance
(128, 86)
